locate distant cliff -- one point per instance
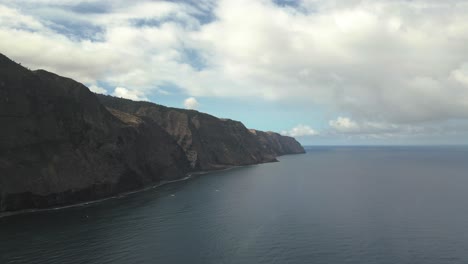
(278, 144)
(61, 144)
(210, 142)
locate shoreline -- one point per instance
(121, 195)
(125, 194)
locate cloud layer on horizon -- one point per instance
(380, 67)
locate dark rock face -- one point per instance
(276, 143)
(62, 144)
(210, 142)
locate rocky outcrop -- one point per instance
(61, 144)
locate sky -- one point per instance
(328, 72)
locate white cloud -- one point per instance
(12, 18)
(129, 94)
(349, 127)
(461, 74)
(344, 124)
(369, 58)
(97, 89)
(300, 131)
(191, 103)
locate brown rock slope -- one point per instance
(59, 145)
(210, 142)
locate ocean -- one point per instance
(331, 205)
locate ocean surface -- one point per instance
(332, 205)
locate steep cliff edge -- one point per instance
(279, 144)
(210, 142)
(61, 144)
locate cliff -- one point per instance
(62, 144)
(278, 144)
(59, 145)
(210, 142)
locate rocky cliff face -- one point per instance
(59, 145)
(210, 142)
(62, 144)
(278, 144)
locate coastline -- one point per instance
(188, 176)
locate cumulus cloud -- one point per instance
(97, 89)
(129, 94)
(191, 103)
(344, 124)
(385, 63)
(300, 131)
